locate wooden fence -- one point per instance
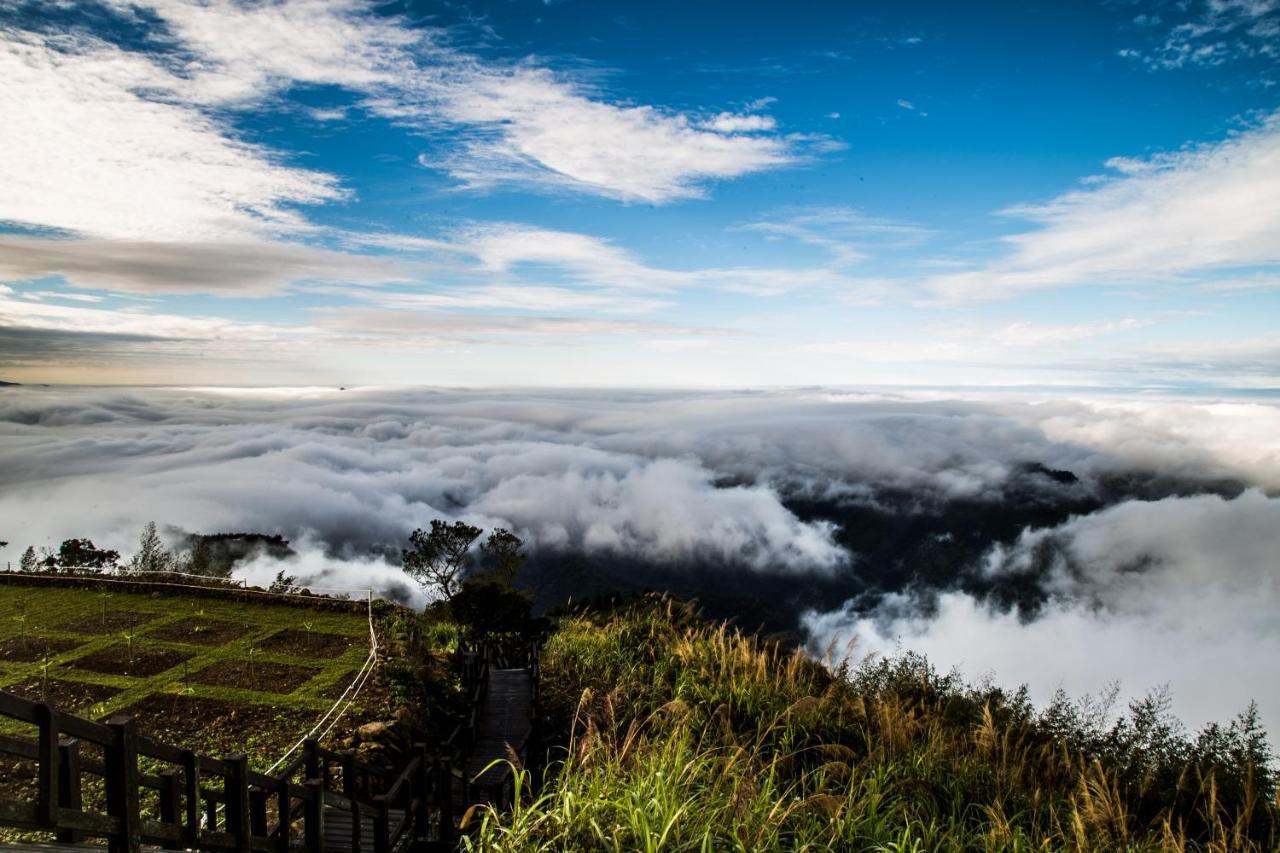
(152, 793)
(198, 802)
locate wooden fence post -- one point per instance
(258, 812)
(311, 757)
(422, 784)
(446, 799)
(284, 806)
(69, 796)
(122, 784)
(237, 805)
(170, 813)
(314, 834)
(47, 796)
(381, 825)
(191, 776)
(349, 788)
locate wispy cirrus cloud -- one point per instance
(1214, 33)
(843, 232)
(488, 123)
(115, 143)
(1207, 208)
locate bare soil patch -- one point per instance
(307, 644)
(32, 649)
(264, 677)
(73, 696)
(110, 623)
(116, 660)
(200, 632)
(216, 727)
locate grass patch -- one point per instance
(682, 735)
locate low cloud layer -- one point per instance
(1061, 542)
(1179, 592)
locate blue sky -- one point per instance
(573, 193)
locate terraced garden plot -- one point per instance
(206, 673)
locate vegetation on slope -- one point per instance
(216, 674)
(681, 735)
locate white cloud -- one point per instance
(97, 141)
(1179, 591)
(489, 123)
(523, 298)
(1218, 32)
(1210, 207)
(596, 263)
(418, 329)
(140, 324)
(240, 268)
(733, 123)
(356, 471)
(844, 232)
(974, 343)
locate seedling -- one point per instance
(129, 634)
(22, 619)
(103, 595)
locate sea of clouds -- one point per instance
(1061, 542)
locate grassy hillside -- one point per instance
(682, 735)
(213, 674)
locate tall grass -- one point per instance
(681, 735)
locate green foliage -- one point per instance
(283, 583)
(82, 555)
(29, 562)
(686, 736)
(502, 549)
(437, 558)
(152, 556)
(417, 649)
(485, 608)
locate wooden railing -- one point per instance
(194, 801)
(219, 804)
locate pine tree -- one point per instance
(200, 562)
(151, 556)
(29, 562)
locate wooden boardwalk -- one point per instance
(503, 728)
(337, 831)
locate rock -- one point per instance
(372, 731)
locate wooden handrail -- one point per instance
(219, 804)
